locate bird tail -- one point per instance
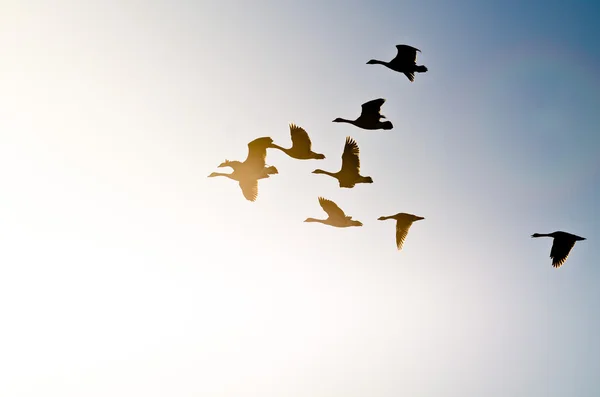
(272, 170)
(421, 68)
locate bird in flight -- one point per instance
(336, 217)
(561, 246)
(349, 174)
(370, 117)
(403, 223)
(404, 62)
(248, 173)
(301, 145)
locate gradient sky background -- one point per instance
(127, 272)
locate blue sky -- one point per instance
(128, 272)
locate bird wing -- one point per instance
(372, 108)
(350, 159)
(406, 54)
(331, 208)
(257, 152)
(401, 233)
(300, 138)
(250, 189)
(560, 251)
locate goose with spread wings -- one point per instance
(370, 117)
(248, 173)
(404, 62)
(349, 175)
(336, 217)
(301, 145)
(403, 223)
(561, 247)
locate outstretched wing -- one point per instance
(350, 159)
(300, 138)
(331, 208)
(257, 152)
(560, 251)
(402, 228)
(406, 55)
(372, 108)
(250, 189)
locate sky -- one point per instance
(127, 272)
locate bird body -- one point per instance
(336, 217)
(239, 166)
(301, 145)
(370, 117)
(561, 246)
(349, 175)
(404, 62)
(403, 223)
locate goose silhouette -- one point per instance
(336, 217)
(403, 223)
(561, 246)
(404, 62)
(349, 175)
(370, 117)
(301, 145)
(248, 173)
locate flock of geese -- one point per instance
(254, 168)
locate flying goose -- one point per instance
(301, 145)
(404, 62)
(403, 223)
(561, 247)
(336, 217)
(370, 117)
(248, 173)
(349, 174)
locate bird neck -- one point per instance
(221, 174)
(541, 235)
(342, 120)
(318, 171)
(284, 150)
(378, 62)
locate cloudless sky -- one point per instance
(125, 271)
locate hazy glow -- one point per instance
(127, 272)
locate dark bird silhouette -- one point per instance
(248, 173)
(349, 174)
(404, 62)
(336, 217)
(301, 145)
(561, 247)
(370, 117)
(403, 223)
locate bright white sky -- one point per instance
(125, 271)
